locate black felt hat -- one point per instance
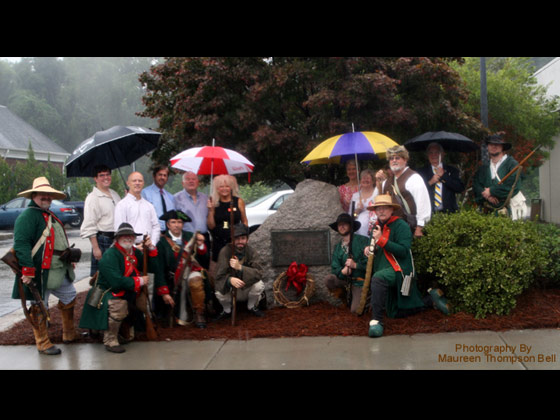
(345, 218)
(175, 214)
(497, 139)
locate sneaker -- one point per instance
(375, 328)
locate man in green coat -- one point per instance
(392, 263)
(182, 280)
(39, 241)
(347, 266)
(488, 192)
(118, 284)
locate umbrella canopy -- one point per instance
(449, 141)
(116, 147)
(360, 145)
(211, 160)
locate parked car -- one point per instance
(79, 205)
(13, 208)
(257, 211)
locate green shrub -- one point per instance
(481, 262)
(549, 273)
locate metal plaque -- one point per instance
(309, 247)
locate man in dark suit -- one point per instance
(443, 181)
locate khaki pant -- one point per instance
(250, 294)
(118, 310)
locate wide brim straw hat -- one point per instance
(383, 200)
(42, 185)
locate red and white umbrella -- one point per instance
(212, 160)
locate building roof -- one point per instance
(16, 134)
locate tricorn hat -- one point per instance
(175, 214)
(383, 200)
(344, 218)
(497, 139)
(126, 229)
(42, 185)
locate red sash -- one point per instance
(383, 241)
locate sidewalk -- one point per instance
(486, 350)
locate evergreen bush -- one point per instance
(481, 262)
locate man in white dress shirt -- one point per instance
(99, 209)
(137, 211)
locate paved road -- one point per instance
(7, 304)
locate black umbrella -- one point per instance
(449, 141)
(116, 147)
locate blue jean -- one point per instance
(104, 243)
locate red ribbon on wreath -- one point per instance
(297, 276)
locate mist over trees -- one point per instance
(70, 98)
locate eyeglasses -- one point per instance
(395, 158)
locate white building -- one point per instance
(549, 172)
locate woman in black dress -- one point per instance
(224, 190)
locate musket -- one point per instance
(150, 329)
(11, 260)
(519, 165)
(186, 253)
(233, 272)
(350, 255)
(367, 280)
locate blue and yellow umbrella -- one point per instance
(361, 145)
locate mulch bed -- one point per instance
(536, 308)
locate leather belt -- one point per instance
(107, 234)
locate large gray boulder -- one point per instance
(313, 206)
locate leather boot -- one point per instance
(42, 341)
(196, 287)
(68, 329)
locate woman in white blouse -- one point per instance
(362, 199)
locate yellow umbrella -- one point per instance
(361, 145)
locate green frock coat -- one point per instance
(396, 240)
(28, 228)
(111, 275)
(340, 256)
(483, 179)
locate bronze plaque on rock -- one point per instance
(309, 247)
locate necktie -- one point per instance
(163, 201)
(437, 194)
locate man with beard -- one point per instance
(118, 284)
(408, 188)
(488, 191)
(243, 270)
(39, 241)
